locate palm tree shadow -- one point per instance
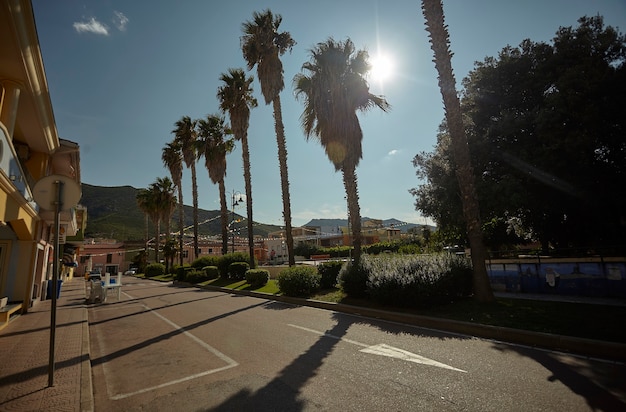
(282, 392)
(602, 385)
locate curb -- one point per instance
(578, 346)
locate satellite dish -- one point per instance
(45, 192)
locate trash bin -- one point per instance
(49, 291)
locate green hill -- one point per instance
(112, 212)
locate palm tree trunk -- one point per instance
(168, 230)
(248, 180)
(194, 186)
(352, 195)
(157, 241)
(223, 216)
(284, 176)
(439, 39)
(146, 234)
(181, 223)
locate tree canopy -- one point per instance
(546, 126)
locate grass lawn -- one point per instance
(601, 322)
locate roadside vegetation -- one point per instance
(434, 285)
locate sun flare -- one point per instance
(382, 68)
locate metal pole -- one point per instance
(232, 223)
(58, 205)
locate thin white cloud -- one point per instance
(393, 152)
(91, 26)
(120, 20)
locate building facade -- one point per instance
(30, 150)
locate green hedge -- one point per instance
(257, 277)
(300, 281)
(237, 270)
(154, 269)
(353, 280)
(225, 260)
(204, 261)
(417, 280)
(329, 272)
(211, 272)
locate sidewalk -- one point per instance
(24, 356)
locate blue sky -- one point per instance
(121, 73)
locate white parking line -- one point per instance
(230, 363)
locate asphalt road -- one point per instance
(168, 348)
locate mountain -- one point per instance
(112, 212)
(388, 223)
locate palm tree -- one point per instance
(212, 145)
(439, 40)
(235, 97)
(147, 204)
(185, 133)
(334, 89)
(158, 203)
(262, 44)
(172, 159)
(166, 204)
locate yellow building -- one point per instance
(30, 149)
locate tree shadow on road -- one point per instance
(283, 392)
(602, 384)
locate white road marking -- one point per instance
(384, 350)
(230, 363)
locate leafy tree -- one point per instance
(235, 97)
(439, 40)
(185, 134)
(550, 146)
(172, 159)
(212, 145)
(262, 44)
(333, 90)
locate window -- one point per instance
(109, 258)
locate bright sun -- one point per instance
(382, 68)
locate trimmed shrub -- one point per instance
(204, 261)
(329, 272)
(353, 280)
(417, 281)
(195, 276)
(211, 272)
(155, 269)
(237, 270)
(225, 260)
(257, 277)
(180, 274)
(299, 281)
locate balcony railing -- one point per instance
(10, 165)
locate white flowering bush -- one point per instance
(417, 280)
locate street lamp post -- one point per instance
(233, 204)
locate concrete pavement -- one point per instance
(24, 343)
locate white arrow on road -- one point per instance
(384, 350)
(390, 351)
